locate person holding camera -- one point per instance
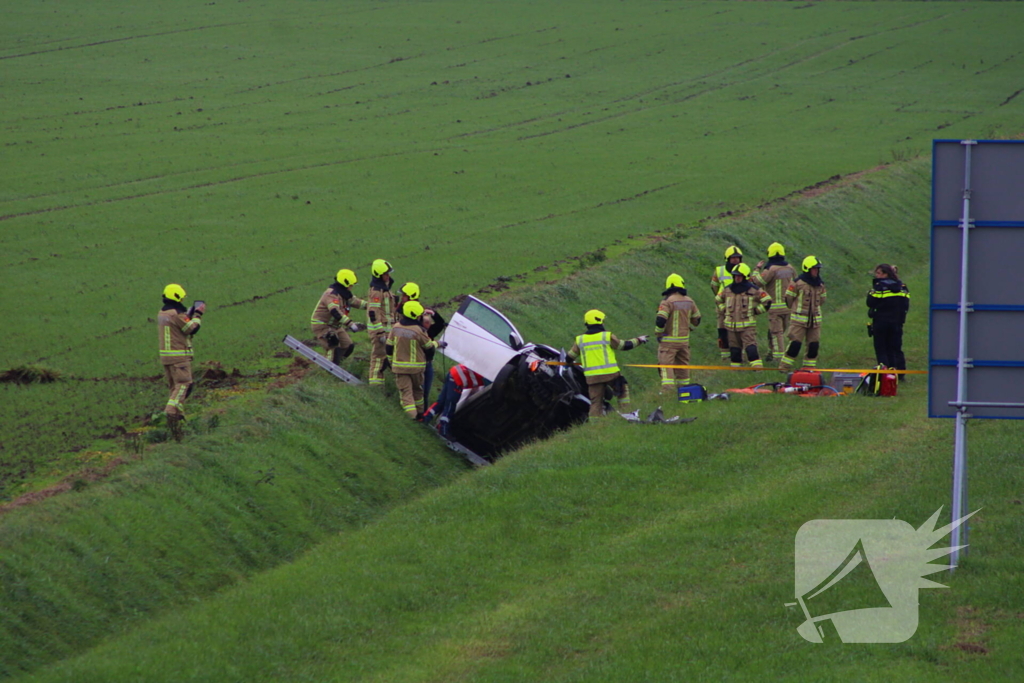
(175, 328)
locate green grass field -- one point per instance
(577, 151)
(249, 150)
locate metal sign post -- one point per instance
(977, 222)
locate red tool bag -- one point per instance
(808, 377)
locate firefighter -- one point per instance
(719, 279)
(596, 351)
(432, 321)
(738, 303)
(677, 313)
(804, 297)
(888, 303)
(175, 329)
(408, 348)
(774, 276)
(380, 311)
(330, 317)
(460, 379)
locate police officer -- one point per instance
(888, 303)
(175, 328)
(805, 297)
(677, 313)
(596, 350)
(330, 317)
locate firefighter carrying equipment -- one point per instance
(380, 267)
(412, 309)
(776, 249)
(346, 277)
(675, 280)
(175, 330)
(411, 290)
(593, 317)
(174, 293)
(810, 262)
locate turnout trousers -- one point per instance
(673, 354)
(179, 381)
(410, 389)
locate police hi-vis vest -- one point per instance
(597, 354)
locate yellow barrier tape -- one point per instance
(764, 369)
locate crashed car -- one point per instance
(527, 399)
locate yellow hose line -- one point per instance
(766, 369)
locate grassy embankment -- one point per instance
(621, 552)
(249, 151)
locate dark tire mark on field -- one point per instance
(122, 40)
(1010, 98)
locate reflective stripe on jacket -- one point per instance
(719, 279)
(465, 378)
(381, 304)
(775, 280)
(410, 344)
(175, 331)
(679, 312)
(805, 301)
(741, 308)
(332, 300)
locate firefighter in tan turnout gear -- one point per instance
(330, 317)
(175, 328)
(739, 302)
(774, 276)
(380, 310)
(805, 298)
(408, 349)
(677, 313)
(596, 351)
(719, 279)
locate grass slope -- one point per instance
(261, 482)
(249, 150)
(619, 552)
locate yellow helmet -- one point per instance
(411, 290)
(174, 293)
(346, 277)
(412, 309)
(776, 249)
(811, 262)
(733, 251)
(380, 267)
(675, 280)
(593, 317)
(741, 269)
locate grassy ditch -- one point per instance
(625, 553)
(622, 552)
(257, 484)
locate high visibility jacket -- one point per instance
(464, 378)
(336, 298)
(676, 313)
(804, 301)
(741, 307)
(775, 280)
(888, 301)
(597, 353)
(175, 330)
(720, 278)
(407, 348)
(380, 308)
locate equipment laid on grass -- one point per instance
(308, 353)
(692, 393)
(845, 382)
(880, 383)
(656, 417)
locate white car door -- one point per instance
(481, 338)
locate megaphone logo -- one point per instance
(857, 579)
